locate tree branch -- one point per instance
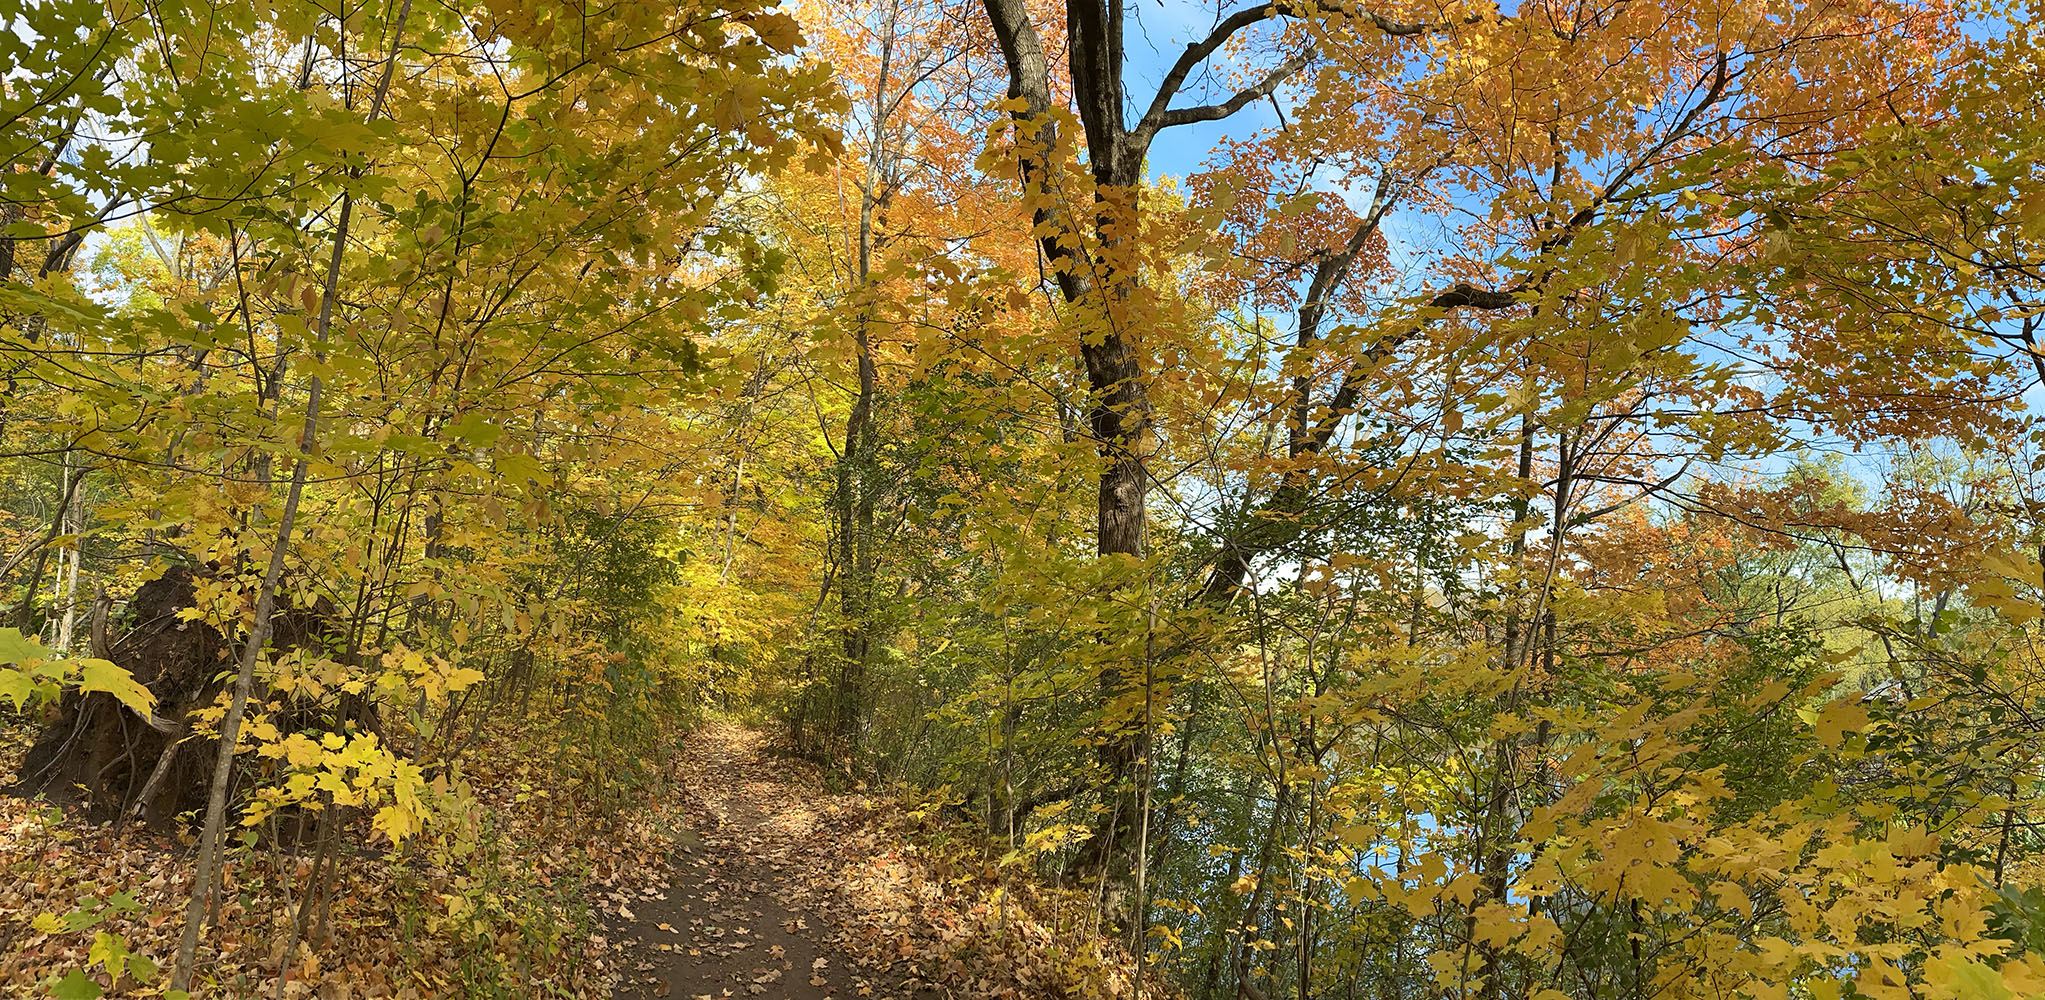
(1194, 55)
(1215, 112)
(1161, 116)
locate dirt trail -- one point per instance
(739, 917)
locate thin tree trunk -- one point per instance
(72, 483)
(252, 648)
(1139, 920)
(266, 600)
(74, 526)
(1245, 988)
(1213, 977)
(25, 611)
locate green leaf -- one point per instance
(476, 429)
(77, 986)
(15, 686)
(520, 468)
(15, 648)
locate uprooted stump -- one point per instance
(97, 755)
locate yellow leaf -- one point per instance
(104, 675)
(1836, 718)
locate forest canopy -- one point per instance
(1420, 499)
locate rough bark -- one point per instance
(855, 486)
(1083, 248)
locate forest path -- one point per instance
(738, 917)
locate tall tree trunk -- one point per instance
(1100, 291)
(855, 466)
(258, 635)
(1087, 250)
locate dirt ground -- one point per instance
(740, 917)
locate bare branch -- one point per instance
(1160, 115)
(1194, 55)
(1216, 112)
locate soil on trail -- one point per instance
(741, 916)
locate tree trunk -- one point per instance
(266, 600)
(855, 463)
(73, 557)
(1120, 414)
